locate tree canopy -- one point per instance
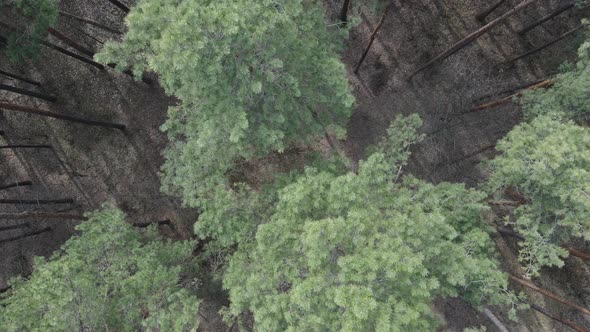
(110, 277)
(251, 77)
(360, 252)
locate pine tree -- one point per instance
(251, 77)
(364, 252)
(110, 277)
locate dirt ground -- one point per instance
(94, 165)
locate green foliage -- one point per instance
(549, 163)
(110, 277)
(38, 16)
(359, 252)
(252, 77)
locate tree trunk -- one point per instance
(8, 228)
(501, 101)
(37, 201)
(96, 24)
(538, 49)
(73, 55)
(490, 315)
(20, 78)
(120, 5)
(41, 215)
(344, 11)
(562, 321)
(372, 38)
(44, 230)
(473, 36)
(24, 109)
(546, 18)
(16, 184)
(29, 93)
(483, 15)
(69, 41)
(25, 146)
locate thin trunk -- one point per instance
(20, 78)
(473, 36)
(69, 41)
(344, 11)
(96, 24)
(147, 224)
(501, 101)
(37, 201)
(44, 230)
(120, 5)
(16, 184)
(73, 55)
(372, 38)
(24, 109)
(42, 215)
(483, 15)
(495, 320)
(540, 48)
(9, 228)
(546, 18)
(26, 146)
(549, 295)
(562, 321)
(29, 93)
(573, 252)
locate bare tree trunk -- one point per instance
(8, 228)
(562, 321)
(540, 48)
(37, 201)
(73, 55)
(29, 93)
(16, 184)
(546, 18)
(41, 215)
(372, 38)
(550, 295)
(69, 41)
(24, 109)
(20, 78)
(473, 36)
(44, 230)
(483, 15)
(495, 320)
(96, 24)
(501, 101)
(120, 5)
(344, 11)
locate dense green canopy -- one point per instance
(110, 277)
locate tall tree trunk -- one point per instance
(24, 109)
(372, 38)
(69, 41)
(344, 11)
(41, 215)
(555, 318)
(501, 101)
(44, 230)
(37, 201)
(73, 55)
(483, 15)
(16, 184)
(20, 78)
(558, 11)
(551, 43)
(120, 5)
(9, 228)
(96, 24)
(29, 93)
(473, 36)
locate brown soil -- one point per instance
(95, 165)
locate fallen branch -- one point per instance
(96, 24)
(46, 229)
(20, 78)
(16, 184)
(8, 228)
(29, 93)
(498, 102)
(372, 38)
(37, 201)
(147, 224)
(554, 41)
(546, 18)
(41, 215)
(562, 321)
(483, 15)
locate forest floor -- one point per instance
(95, 165)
